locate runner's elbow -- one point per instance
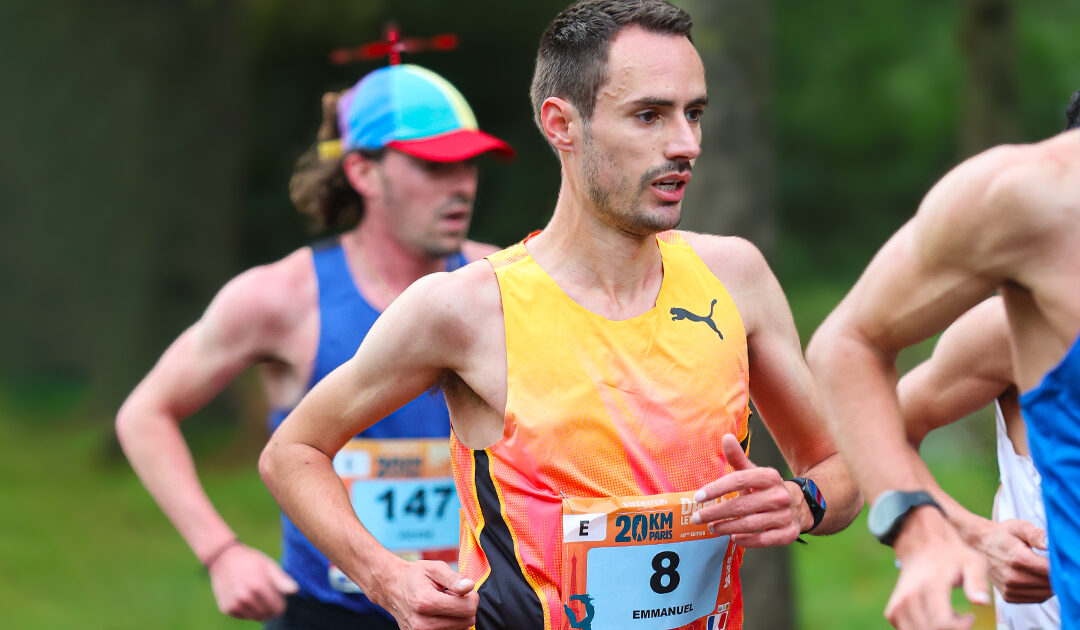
(817, 350)
(267, 464)
(272, 463)
(132, 422)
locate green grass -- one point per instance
(84, 546)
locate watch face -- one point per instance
(813, 491)
(891, 508)
(883, 513)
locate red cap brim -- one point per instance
(455, 146)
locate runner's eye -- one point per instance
(446, 168)
(648, 117)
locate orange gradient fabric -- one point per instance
(596, 408)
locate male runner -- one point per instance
(598, 369)
(972, 365)
(401, 168)
(1007, 219)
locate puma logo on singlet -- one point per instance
(585, 623)
(682, 313)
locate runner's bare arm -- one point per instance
(236, 331)
(970, 367)
(937, 266)
(943, 262)
(420, 336)
(785, 395)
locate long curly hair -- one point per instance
(318, 186)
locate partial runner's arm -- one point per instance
(943, 262)
(424, 333)
(229, 337)
(971, 367)
(786, 397)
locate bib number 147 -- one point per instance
(416, 504)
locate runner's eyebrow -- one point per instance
(652, 101)
(655, 101)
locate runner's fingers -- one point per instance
(974, 581)
(1032, 596)
(1024, 589)
(1027, 532)
(443, 623)
(734, 453)
(1031, 563)
(739, 481)
(912, 610)
(442, 604)
(257, 603)
(241, 609)
(1022, 580)
(771, 538)
(922, 598)
(774, 499)
(753, 523)
(268, 604)
(283, 581)
(444, 577)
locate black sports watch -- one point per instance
(814, 499)
(891, 509)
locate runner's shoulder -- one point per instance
(1038, 178)
(464, 299)
(1005, 178)
(474, 251)
(267, 300)
(732, 259)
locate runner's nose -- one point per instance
(684, 141)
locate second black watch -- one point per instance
(814, 499)
(891, 509)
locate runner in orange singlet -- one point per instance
(598, 376)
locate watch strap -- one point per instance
(902, 503)
(814, 499)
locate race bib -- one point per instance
(403, 492)
(638, 563)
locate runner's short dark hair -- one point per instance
(1072, 112)
(572, 61)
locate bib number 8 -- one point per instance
(664, 565)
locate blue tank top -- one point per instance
(1052, 414)
(344, 319)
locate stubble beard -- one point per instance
(429, 243)
(632, 217)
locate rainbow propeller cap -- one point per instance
(415, 111)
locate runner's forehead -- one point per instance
(650, 67)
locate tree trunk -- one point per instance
(129, 143)
(732, 194)
(989, 99)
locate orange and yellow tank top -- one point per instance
(596, 408)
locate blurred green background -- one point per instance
(145, 150)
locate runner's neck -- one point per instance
(607, 272)
(381, 267)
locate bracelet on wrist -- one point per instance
(220, 551)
